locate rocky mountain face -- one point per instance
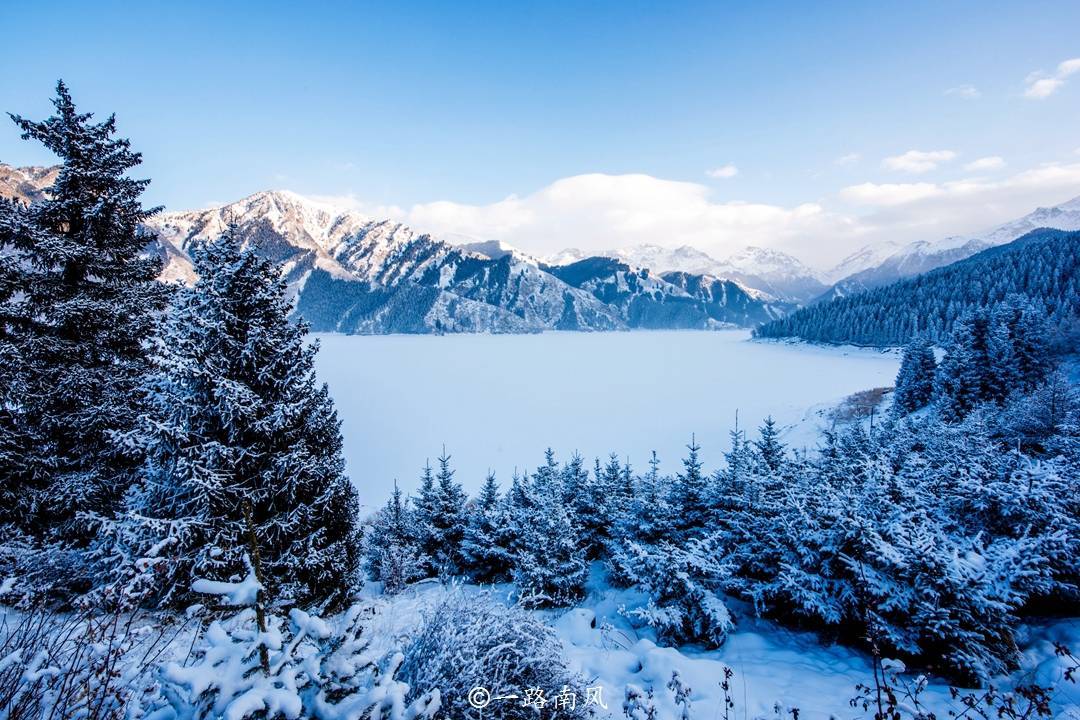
(672, 300)
(26, 183)
(772, 274)
(354, 274)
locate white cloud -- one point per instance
(887, 194)
(597, 212)
(849, 159)
(993, 162)
(723, 172)
(918, 161)
(966, 92)
(925, 211)
(1044, 88)
(1068, 67)
(1041, 86)
(1059, 177)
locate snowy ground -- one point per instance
(772, 666)
(497, 401)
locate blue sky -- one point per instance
(582, 113)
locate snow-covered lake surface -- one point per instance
(497, 401)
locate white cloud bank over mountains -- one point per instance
(596, 211)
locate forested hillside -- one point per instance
(1041, 265)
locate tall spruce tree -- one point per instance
(425, 508)
(79, 303)
(915, 379)
(391, 548)
(549, 563)
(770, 451)
(449, 519)
(1028, 330)
(588, 498)
(964, 378)
(690, 500)
(243, 445)
(485, 546)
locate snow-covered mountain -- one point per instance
(772, 273)
(1065, 216)
(351, 273)
(662, 259)
(864, 258)
(875, 266)
(355, 274)
(672, 300)
(25, 183)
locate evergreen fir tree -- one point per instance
(391, 548)
(485, 547)
(770, 451)
(588, 498)
(1003, 375)
(649, 511)
(79, 304)
(549, 565)
(915, 379)
(242, 440)
(1029, 336)
(690, 499)
(449, 519)
(964, 376)
(425, 508)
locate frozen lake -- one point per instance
(497, 401)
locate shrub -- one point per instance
(475, 641)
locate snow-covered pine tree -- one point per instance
(915, 379)
(79, 303)
(390, 547)
(425, 508)
(517, 505)
(690, 499)
(549, 565)
(1029, 337)
(449, 519)
(682, 580)
(485, 546)
(770, 452)
(588, 499)
(238, 426)
(649, 511)
(1002, 362)
(964, 375)
(644, 522)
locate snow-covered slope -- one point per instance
(913, 259)
(1065, 216)
(877, 265)
(775, 272)
(864, 258)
